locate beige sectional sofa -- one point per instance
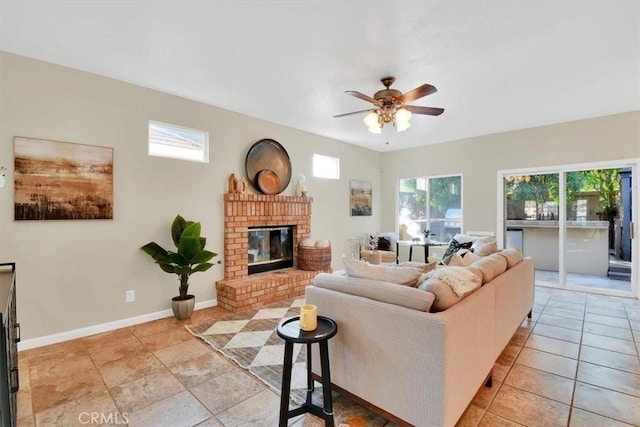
(413, 366)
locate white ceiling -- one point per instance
(497, 65)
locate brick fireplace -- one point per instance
(240, 291)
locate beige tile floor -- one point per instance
(574, 364)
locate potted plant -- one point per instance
(190, 257)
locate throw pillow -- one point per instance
(444, 295)
(399, 275)
(455, 246)
(513, 256)
(384, 244)
(485, 239)
(463, 238)
(455, 260)
(470, 257)
(484, 246)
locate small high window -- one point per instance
(178, 142)
(326, 167)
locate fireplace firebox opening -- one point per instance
(270, 248)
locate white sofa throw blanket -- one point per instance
(461, 280)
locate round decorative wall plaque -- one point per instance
(268, 164)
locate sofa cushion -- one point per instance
(490, 266)
(444, 297)
(513, 256)
(386, 273)
(380, 291)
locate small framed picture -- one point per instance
(361, 198)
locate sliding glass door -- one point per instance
(577, 223)
(598, 251)
(532, 215)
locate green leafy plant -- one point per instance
(190, 256)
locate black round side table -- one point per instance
(289, 330)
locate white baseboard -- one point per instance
(104, 327)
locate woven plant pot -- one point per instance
(312, 258)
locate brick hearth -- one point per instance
(240, 292)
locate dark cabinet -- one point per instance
(9, 338)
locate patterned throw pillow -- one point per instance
(384, 244)
(455, 246)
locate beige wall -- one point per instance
(479, 159)
(74, 274)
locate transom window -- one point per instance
(326, 167)
(177, 142)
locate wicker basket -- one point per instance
(312, 258)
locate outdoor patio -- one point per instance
(622, 268)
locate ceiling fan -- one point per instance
(390, 106)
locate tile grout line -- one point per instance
(575, 379)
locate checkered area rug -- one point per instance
(250, 339)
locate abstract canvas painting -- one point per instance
(60, 180)
(361, 197)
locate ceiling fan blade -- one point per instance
(431, 111)
(355, 112)
(361, 96)
(419, 92)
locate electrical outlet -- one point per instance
(130, 296)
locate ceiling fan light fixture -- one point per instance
(402, 119)
(371, 120)
(390, 106)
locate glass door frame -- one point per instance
(562, 170)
